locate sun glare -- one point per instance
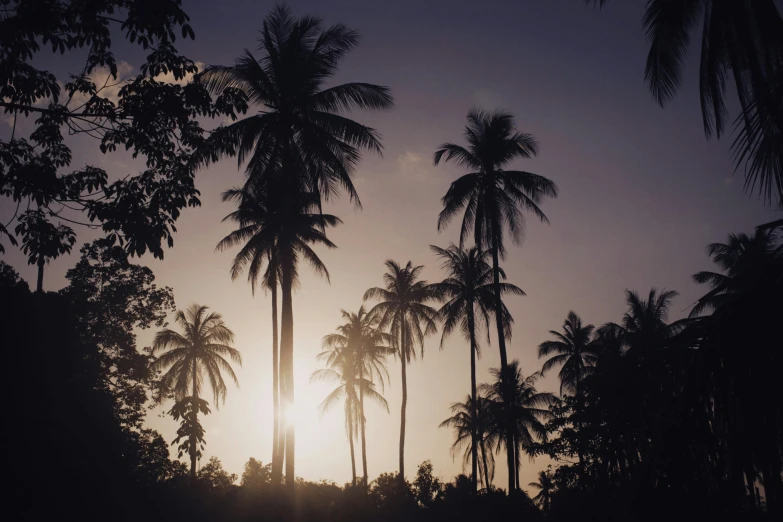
(295, 414)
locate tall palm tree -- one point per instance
(468, 291)
(574, 353)
(741, 39)
(344, 365)
(283, 224)
(370, 347)
(299, 125)
(258, 228)
(472, 422)
(199, 351)
(492, 198)
(517, 407)
(404, 313)
(298, 133)
(545, 487)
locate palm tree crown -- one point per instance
(402, 309)
(490, 196)
(468, 284)
(572, 350)
(545, 487)
(743, 39)
(199, 351)
(299, 125)
(274, 226)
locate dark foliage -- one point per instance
(153, 118)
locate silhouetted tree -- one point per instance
(345, 367)
(742, 39)
(426, 486)
(473, 422)
(738, 355)
(369, 347)
(190, 356)
(289, 223)
(214, 477)
(545, 487)
(255, 474)
(42, 241)
(467, 292)
(150, 116)
(517, 407)
(572, 351)
(300, 135)
(492, 199)
(190, 431)
(113, 299)
(260, 224)
(404, 313)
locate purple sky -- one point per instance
(642, 193)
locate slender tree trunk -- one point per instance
(579, 435)
(193, 440)
(39, 286)
(502, 346)
(350, 443)
(486, 467)
(277, 455)
(474, 402)
(363, 421)
(403, 352)
(287, 367)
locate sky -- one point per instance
(642, 192)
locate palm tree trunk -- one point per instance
(363, 422)
(474, 401)
(517, 465)
(486, 467)
(277, 455)
(404, 401)
(502, 347)
(193, 441)
(39, 286)
(350, 443)
(287, 366)
(579, 448)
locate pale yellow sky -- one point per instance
(642, 193)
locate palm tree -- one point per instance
(370, 347)
(345, 367)
(572, 351)
(258, 228)
(190, 356)
(576, 355)
(297, 142)
(468, 291)
(493, 198)
(546, 488)
(517, 407)
(645, 325)
(292, 222)
(743, 39)
(740, 356)
(298, 126)
(403, 312)
(472, 422)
